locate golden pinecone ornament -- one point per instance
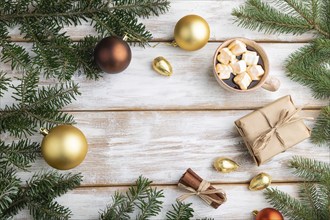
(260, 181)
(63, 147)
(225, 165)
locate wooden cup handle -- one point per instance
(271, 84)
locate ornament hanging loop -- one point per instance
(173, 44)
(43, 131)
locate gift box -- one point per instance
(272, 129)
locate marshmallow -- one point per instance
(237, 47)
(238, 67)
(224, 71)
(225, 56)
(251, 58)
(243, 80)
(255, 72)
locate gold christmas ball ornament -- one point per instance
(225, 165)
(63, 147)
(260, 182)
(191, 32)
(162, 66)
(268, 214)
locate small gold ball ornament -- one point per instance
(225, 165)
(162, 66)
(63, 147)
(260, 181)
(191, 32)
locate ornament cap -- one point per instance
(255, 212)
(43, 131)
(125, 38)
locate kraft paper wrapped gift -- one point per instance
(272, 129)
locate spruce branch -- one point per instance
(291, 16)
(290, 207)
(141, 196)
(38, 195)
(311, 195)
(37, 107)
(4, 83)
(19, 154)
(309, 66)
(321, 130)
(180, 211)
(151, 205)
(309, 169)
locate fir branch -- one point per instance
(310, 66)
(19, 154)
(9, 186)
(257, 15)
(309, 169)
(37, 195)
(321, 130)
(311, 195)
(290, 207)
(4, 83)
(51, 210)
(141, 195)
(180, 211)
(40, 108)
(151, 205)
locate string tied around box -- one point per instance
(284, 118)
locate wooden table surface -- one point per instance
(138, 122)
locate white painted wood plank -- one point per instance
(86, 203)
(192, 86)
(162, 145)
(216, 12)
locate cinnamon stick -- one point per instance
(191, 179)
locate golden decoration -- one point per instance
(63, 147)
(260, 181)
(191, 32)
(225, 165)
(162, 66)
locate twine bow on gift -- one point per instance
(285, 118)
(203, 192)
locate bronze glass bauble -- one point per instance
(112, 54)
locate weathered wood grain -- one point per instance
(192, 86)
(162, 145)
(216, 12)
(86, 203)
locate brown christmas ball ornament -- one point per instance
(63, 147)
(112, 54)
(268, 214)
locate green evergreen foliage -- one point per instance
(56, 56)
(321, 130)
(37, 194)
(310, 65)
(141, 196)
(314, 195)
(180, 211)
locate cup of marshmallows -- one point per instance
(241, 65)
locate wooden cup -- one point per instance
(266, 82)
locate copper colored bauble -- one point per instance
(268, 214)
(191, 32)
(63, 147)
(112, 54)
